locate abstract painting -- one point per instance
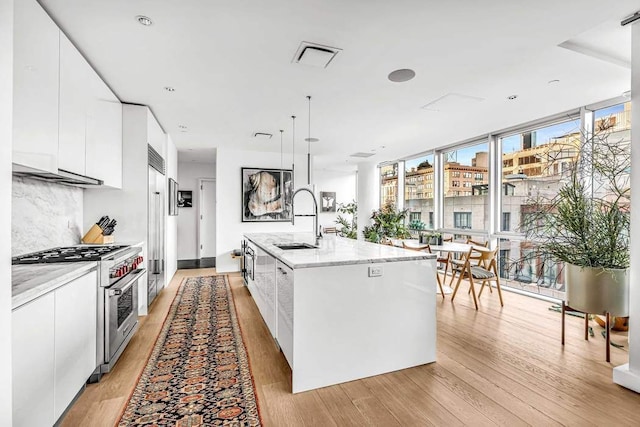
(266, 194)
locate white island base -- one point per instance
(350, 326)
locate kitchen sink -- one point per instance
(288, 246)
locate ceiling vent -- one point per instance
(262, 135)
(315, 55)
(452, 102)
(363, 155)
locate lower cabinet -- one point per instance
(265, 283)
(75, 338)
(53, 350)
(284, 285)
(32, 347)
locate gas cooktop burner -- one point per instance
(67, 254)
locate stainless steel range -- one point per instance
(119, 270)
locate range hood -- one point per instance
(62, 177)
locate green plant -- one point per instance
(416, 224)
(349, 227)
(586, 221)
(387, 223)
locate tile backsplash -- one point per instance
(44, 215)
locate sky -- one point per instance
(512, 143)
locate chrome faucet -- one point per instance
(316, 232)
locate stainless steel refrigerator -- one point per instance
(155, 241)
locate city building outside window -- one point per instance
(471, 163)
(389, 184)
(418, 201)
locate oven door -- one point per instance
(121, 312)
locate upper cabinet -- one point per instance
(104, 135)
(75, 73)
(35, 91)
(65, 116)
(155, 135)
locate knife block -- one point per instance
(94, 235)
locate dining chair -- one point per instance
(426, 248)
(482, 266)
(458, 264)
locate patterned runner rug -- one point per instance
(198, 372)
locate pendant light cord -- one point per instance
(309, 145)
(293, 145)
(281, 132)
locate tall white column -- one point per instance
(6, 126)
(628, 375)
(368, 194)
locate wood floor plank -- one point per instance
(495, 366)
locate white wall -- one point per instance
(188, 175)
(171, 234)
(343, 183)
(230, 227)
(6, 124)
(628, 375)
(45, 215)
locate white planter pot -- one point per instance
(597, 290)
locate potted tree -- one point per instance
(387, 224)
(585, 223)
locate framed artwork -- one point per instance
(266, 194)
(185, 199)
(328, 199)
(173, 197)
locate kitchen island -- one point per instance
(346, 309)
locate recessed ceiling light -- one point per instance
(311, 139)
(169, 89)
(144, 20)
(554, 81)
(512, 97)
(182, 126)
(401, 75)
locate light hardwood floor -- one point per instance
(494, 366)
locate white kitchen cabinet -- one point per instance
(265, 281)
(284, 286)
(75, 338)
(75, 96)
(32, 349)
(35, 89)
(53, 350)
(104, 134)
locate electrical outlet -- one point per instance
(375, 271)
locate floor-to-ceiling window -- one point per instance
(419, 192)
(466, 187)
(532, 166)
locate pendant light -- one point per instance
(281, 132)
(309, 144)
(293, 150)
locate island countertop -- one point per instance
(333, 250)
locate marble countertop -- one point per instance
(332, 251)
(30, 281)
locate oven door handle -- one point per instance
(121, 287)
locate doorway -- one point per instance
(207, 220)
